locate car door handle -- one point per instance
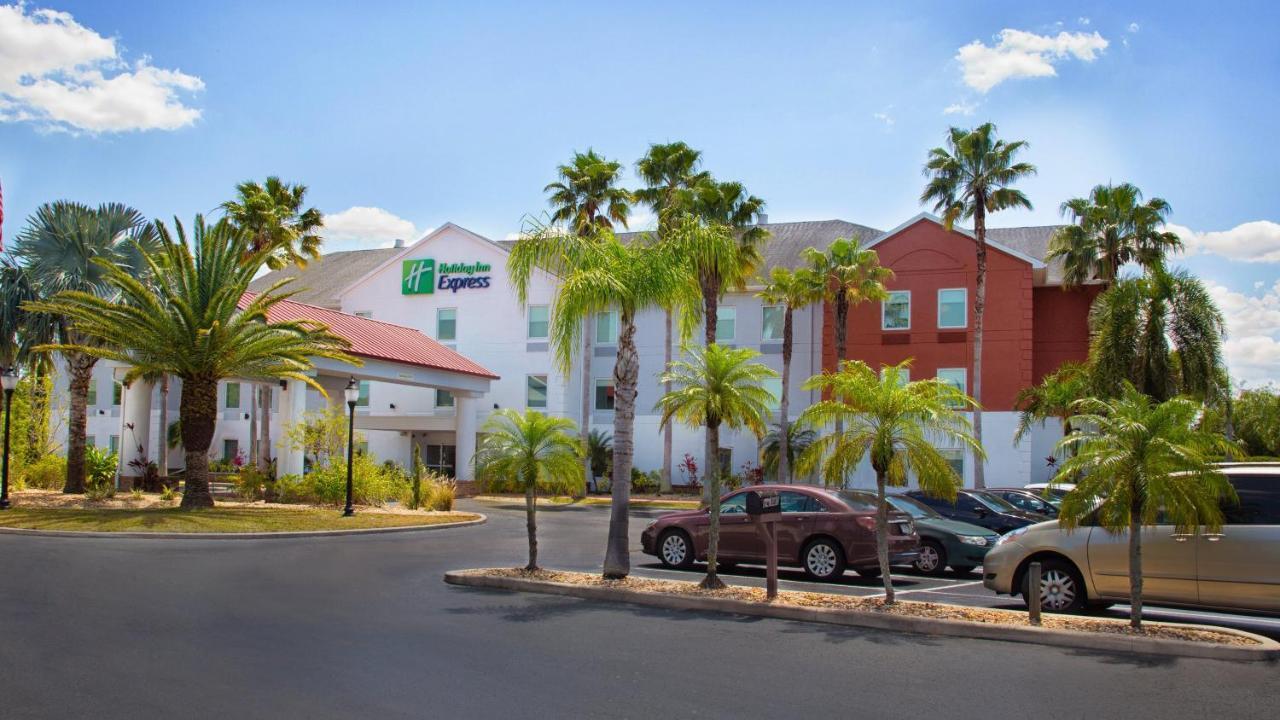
(1181, 537)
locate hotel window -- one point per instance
(539, 321)
(726, 323)
(604, 395)
(447, 324)
(116, 391)
(230, 448)
(896, 311)
(607, 327)
(955, 377)
(362, 400)
(955, 458)
(444, 399)
(92, 398)
(771, 325)
(114, 444)
(774, 386)
(953, 308)
(536, 394)
(233, 395)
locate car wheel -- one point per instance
(932, 559)
(962, 569)
(823, 560)
(675, 550)
(1061, 587)
(868, 572)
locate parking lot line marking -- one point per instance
(941, 589)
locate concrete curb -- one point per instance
(241, 536)
(1266, 650)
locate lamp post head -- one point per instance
(9, 379)
(352, 393)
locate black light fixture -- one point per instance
(9, 381)
(352, 394)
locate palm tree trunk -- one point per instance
(586, 404)
(665, 486)
(264, 429)
(882, 536)
(784, 403)
(626, 373)
(712, 581)
(531, 521)
(1135, 564)
(80, 367)
(198, 415)
(711, 448)
(979, 310)
(163, 438)
(842, 334)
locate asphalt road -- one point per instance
(363, 627)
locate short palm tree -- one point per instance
(188, 322)
(1053, 399)
(969, 179)
(599, 273)
(798, 440)
(717, 386)
(897, 424)
(1137, 459)
(599, 451)
(1109, 228)
(538, 452)
(59, 248)
(790, 289)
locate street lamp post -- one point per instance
(9, 380)
(353, 396)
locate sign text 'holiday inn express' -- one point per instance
(418, 277)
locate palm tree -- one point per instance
(717, 386)
(1136, 458)
(798, 440)
(59, 248)
(790, 289)
(20, 331)
(599, 273)
(273, 215)
(895, 423)
(1162, 333)
(1109, 228)
(599, 451)
(1054, 398)
(668, 170)
(725, 205)
(186, 322)
(537, 452)
(968, 179)
(587, 198)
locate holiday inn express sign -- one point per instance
(419, 277)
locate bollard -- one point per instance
(1033, 592)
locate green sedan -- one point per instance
(944, 542)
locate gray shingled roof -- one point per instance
(1033, 241)
(322, 279)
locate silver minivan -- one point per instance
(1237, 568)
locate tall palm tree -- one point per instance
(717, 386)
(1162, 333)
(1135, 459)
(798, 440)
(599, 273)
(588, 198)
(274, 215)
(1111, 227)
(537, 452)
(59, 248)
(895, 423)
(969, 179)
(187, 322)
(791, 289)
(1054, 398)
(21, 330)
(726, 205)
(668, 170)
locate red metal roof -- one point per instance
(377, 339)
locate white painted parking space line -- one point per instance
(943, 589)
(1151, 612)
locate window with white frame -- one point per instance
(233, 395)
(444, 398)
(774, 386)
(92, 398)
(771, 322)
(895, 313)
(117, 390)
(955, 377)
(536, 393)
(607, 327)
(447, 324)
(362, 400)
(955, 458)
(953, 308)
(604, 395)
(726, 323)
(539, 322)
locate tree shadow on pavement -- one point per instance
(543, 607)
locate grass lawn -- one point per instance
(661, 503)
(215, 520)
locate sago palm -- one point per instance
(598, 273)
(969, 179)
(60, 248)
(717, 387)
(537, 452)
(1111, 227)
(188, 322)
(897, 424)
(789, 289)
(1138, 462)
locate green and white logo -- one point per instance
(418, 277)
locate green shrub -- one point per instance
(642, 482)
(439, 494)
(47, 473)
(251, 483)
(169, 494)
(371, 484)
(100, 473)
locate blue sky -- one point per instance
(422, 114)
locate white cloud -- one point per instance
(1021, 54)
(1133, 27)
(960, 108)
(1083, 20)
(884, 117)
(1255, 242)
(61, 75)
(359, 228)
(1252, 348)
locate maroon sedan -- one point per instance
(822, 531)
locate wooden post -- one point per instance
(1033, 592)
(771, 569)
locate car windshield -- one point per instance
(992, 502)
(858, 501)
(912, 507)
